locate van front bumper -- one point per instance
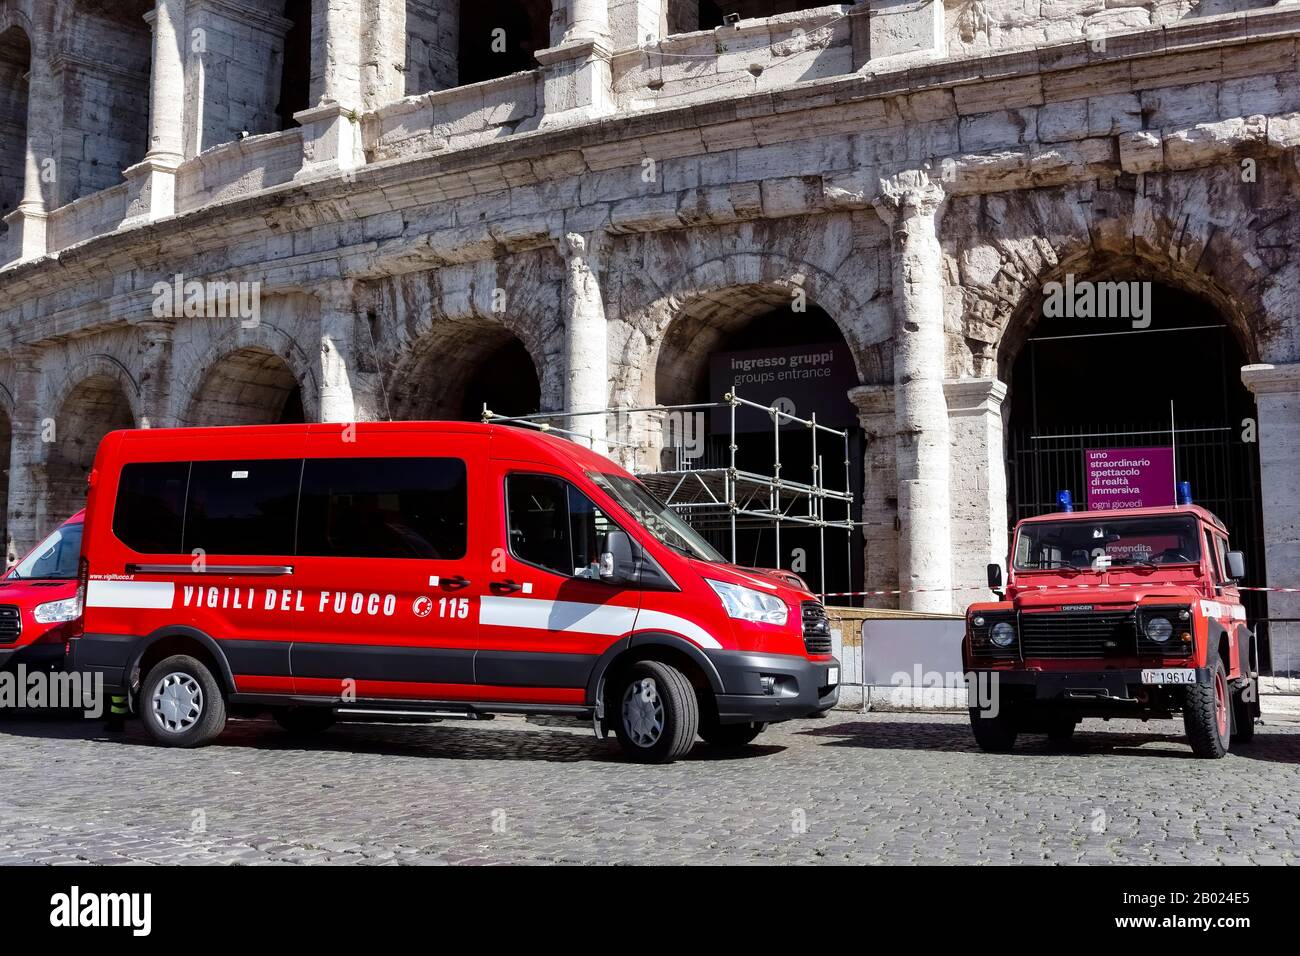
(798, 686)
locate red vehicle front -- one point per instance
(1114, 614)
(39, 600)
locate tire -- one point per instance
(993, 734)
(304, 721)
(731, 736)
(1243, 713)
(1061, 730)
(654, 712)
(181, 703)
(1206, 716)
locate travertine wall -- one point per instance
(617, 206)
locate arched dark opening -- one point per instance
(506, 382)
(713, 13)
(1080, 384)
(15, 62)
(251, 386)
(94, 408)
(753, 340)
(500, 37)
(453, 372)
(295, 71)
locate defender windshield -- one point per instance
(1128, 542)
(656, 517)
(55, 559)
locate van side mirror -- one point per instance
(1236, 565)
(618, 563)
(995, 577)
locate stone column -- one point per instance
(909, 202)
(155, 365)
(977, 465)
(152, 182)
(634, 23)
(576, 80)
(586, 337)
(26, 456)
(331, 130)
(1277, 397)
(337, 348)
(27, 223)
(879, 491)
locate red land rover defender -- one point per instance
(1114, 614)
(40, 602)
(433, 569)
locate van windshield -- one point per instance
(1142, 542)
(55, 558)
(656, 517)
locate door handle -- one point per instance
(506, 587)
(456, 582)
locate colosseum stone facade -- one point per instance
(574, 205)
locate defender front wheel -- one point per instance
(1205, 715)
(654, 712)
(181, 704)
(994, 734)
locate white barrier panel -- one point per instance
(914, 663)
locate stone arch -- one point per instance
(100, 397)
(247, 379)
(747, 284)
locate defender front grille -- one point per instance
(816, 628)
(1078, 635)
(11, 623)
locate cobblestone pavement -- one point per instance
(893, 788)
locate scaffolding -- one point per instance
(728, 498)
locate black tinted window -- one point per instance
(384, 508)
(554, 525)
(242, 507)
(150, 506)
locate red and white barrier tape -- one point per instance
(892, 592)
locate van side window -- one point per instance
(384, 508)
(242, 507)
(554, 525)
(150, 507)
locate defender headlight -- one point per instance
(1003, 634)
(1159, 629)
(746, 604)
(58, 612)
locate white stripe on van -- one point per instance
(579, 618)
(135, 595)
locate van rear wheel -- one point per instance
(655, 713)
(181, 704)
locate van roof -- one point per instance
(527, 444)
(1194, 510)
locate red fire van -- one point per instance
(39, 600)
(423, 568)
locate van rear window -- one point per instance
(151, 506)
(384, 508)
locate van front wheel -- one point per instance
(656, 715)
(181, 704)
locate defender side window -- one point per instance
(555, 526)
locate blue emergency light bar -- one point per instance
(1065, 500)
(1184, 492)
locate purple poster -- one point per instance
(1123, 478)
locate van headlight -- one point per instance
(58, 612)
(1003, 634)
(750, 605)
